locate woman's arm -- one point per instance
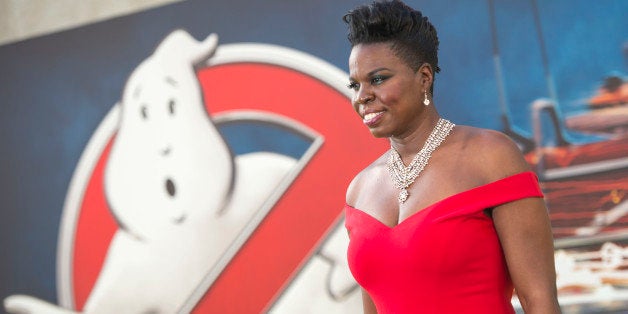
(526, 237)
(525, 233)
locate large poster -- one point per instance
(194, 157)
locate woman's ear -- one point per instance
(427, 75)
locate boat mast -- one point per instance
(497, 62)
(525, 143)
(549, 80)
(548, 75)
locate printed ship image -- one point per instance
(586, 191)
(581, 159)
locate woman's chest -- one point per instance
(422, 245)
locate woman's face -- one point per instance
(388, 94)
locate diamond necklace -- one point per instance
(403, 176)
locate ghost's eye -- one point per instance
(171, 105)
(144, 112)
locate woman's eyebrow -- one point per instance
(376, 70)
(371, 73)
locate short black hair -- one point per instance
(413, 38)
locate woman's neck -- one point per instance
(409, 144)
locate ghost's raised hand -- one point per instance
(180, 45)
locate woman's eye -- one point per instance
(353, 86)
(377, 79)
(171, 105)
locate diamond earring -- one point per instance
(426, 101)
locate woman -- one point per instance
(453, 236)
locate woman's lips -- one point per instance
(370, 119)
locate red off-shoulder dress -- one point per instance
(446, 258)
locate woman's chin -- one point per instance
(377, 133)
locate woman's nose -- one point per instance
(363, 96)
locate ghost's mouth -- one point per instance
(170, 187)
(172, 191)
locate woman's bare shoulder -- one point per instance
(492, 153)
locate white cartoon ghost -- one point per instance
(179, 196)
